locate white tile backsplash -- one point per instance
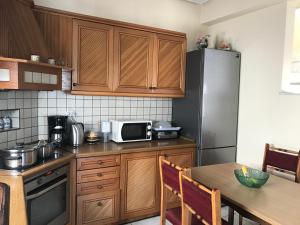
(92, 109)
(36, 106)
(25, 104)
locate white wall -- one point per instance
(217, 10)
(264, 114)
(174, 15)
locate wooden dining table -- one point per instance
(277, 202)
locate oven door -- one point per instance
(48, 204)
(134, 131)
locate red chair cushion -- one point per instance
(171, 176)
(174, 215)
(281, 160)
(198, 199)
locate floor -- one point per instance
(155, 220)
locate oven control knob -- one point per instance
(149, 133)
(40, 180)
(149, 127)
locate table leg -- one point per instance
(230, 215)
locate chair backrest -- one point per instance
(202, 202)
(282, 160)
(169, 179)
(169, 174)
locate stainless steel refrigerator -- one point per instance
(209, 111)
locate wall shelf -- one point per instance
(14, 114)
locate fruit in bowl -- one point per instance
(251, 177)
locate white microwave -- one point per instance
(130, 130)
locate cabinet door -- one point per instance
(139, 184)
(133, 60)
(101, 208)
(171, 57)
(93, 56)
(183, 158)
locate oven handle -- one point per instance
(29, 197)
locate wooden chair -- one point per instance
(199, 201)
(282, 160)
(169, 177)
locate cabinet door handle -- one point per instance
(99, 204)
(99, 162)
(99, 174)
(99, 186)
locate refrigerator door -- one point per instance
(220, 99)
(216, 156)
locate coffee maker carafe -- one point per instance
(57, 129)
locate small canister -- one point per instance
(7, 122)
(1, 123)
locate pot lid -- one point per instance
(21, 147)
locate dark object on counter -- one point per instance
(57, 129)
(21, 156)
(75, 132)
(164, 130)
(4, 203)
(209, 111)
(45, 149)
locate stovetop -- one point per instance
(56, 155)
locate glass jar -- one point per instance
(7, 122)
(1, 123)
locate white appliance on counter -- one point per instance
(131, 130)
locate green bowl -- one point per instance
(255, 179)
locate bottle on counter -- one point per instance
(7, 122)
(1, 123)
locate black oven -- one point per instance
(47, 197)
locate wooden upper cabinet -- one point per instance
(92, 56)
(139, 184)
(133, 55)
(57, 33)
(171, 58)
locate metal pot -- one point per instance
(21, 156)
(45, 150)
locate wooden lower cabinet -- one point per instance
(131, 191)
(100, 208)
(139, 184)
(182, 157)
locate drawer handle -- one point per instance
(99, 174)
(99, 186)
(99, 204)
(99, 162)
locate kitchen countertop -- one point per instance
(89, 150)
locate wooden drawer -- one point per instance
(98, 174)
(98, 162)
(98, 186)
(100, 208)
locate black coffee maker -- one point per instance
(57, 126)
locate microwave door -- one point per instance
(134, 131)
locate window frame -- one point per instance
(290, 82)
